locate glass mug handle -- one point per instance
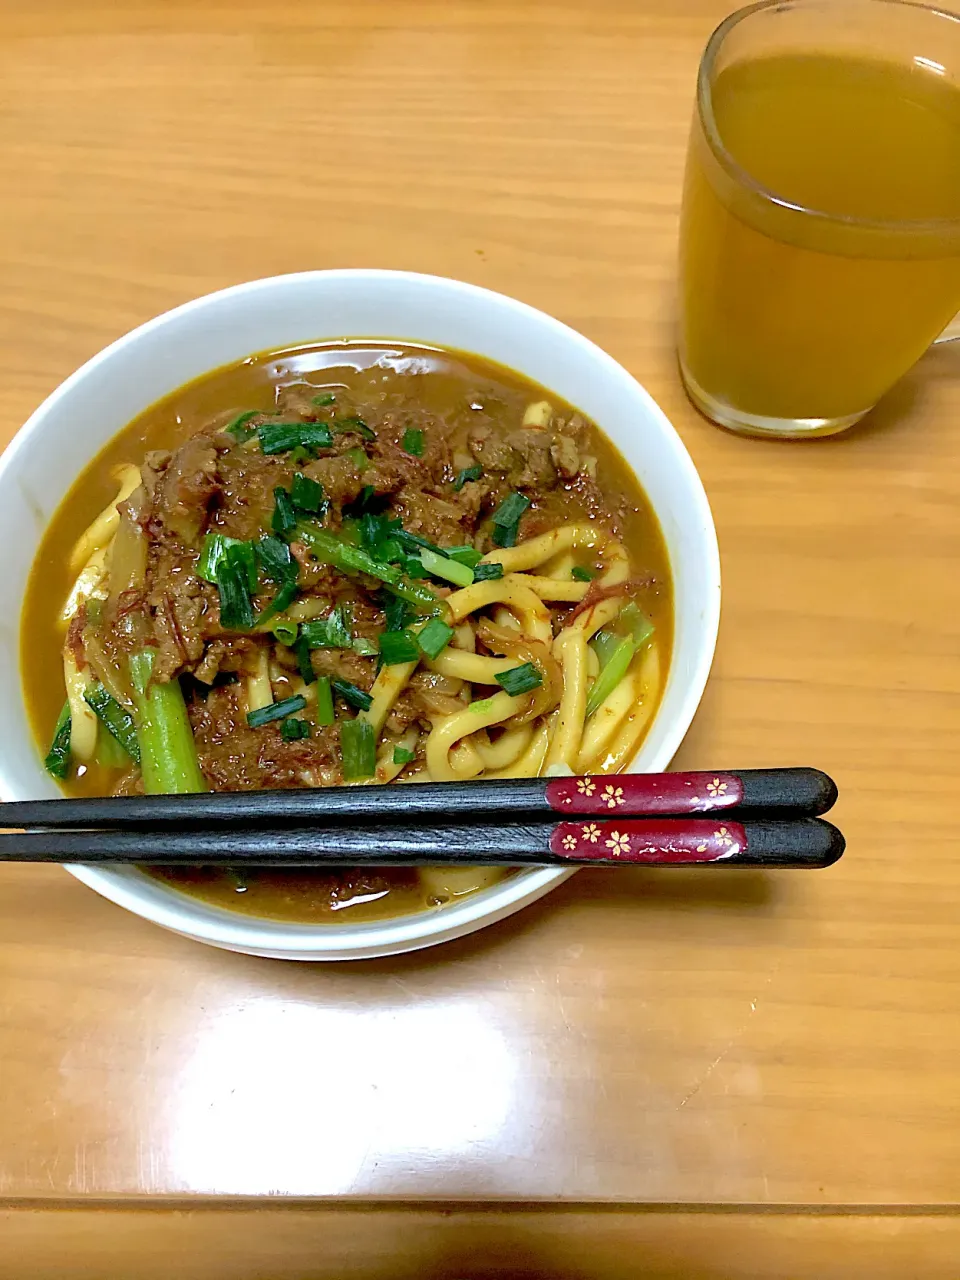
(951, 333)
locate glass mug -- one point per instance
(820, 232)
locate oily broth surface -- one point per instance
(394, 376)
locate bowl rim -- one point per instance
(255, 935)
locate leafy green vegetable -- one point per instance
(57, 759)
(581, 574)
(115, 718)
(403, 755)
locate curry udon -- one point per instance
(350, 563)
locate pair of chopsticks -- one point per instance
(758, 818)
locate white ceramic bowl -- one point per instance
(93, 404)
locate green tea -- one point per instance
(819, 264)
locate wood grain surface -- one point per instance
(683, 1038)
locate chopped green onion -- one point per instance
(168, 752)
(403, 755)
(330, 632)
(434, 637)
(276, 559)
(358, 746)
(212, 551)
(611, 675)
(603, 645)
(581, 574)
(468, 473)
(116, 719)
(505, 535)
(286, 632)
(482, 706)
(301, 454)
(57, 759)
(276, 711)
(279, 437)
(236, 607)
(520, 679)
(398, 646)
(414, 543)
(241, 556)
(511, 509)
(293, 730)
(443, 567)
(354, 424)
(397, 612)
(304, 664)
(349, 559)
(636, 622)
(284, 519)
(306, 494)
(284, 597)
(358, 457)
(321, 401)
(413, 442)
(353, 696)
(469, 556)
(487, 572)
(238, 427)
(366, 648)
(324, 700)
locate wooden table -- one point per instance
(688, 1043)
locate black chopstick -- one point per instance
(805, 842)
(768, 793)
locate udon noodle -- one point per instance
(464, 597)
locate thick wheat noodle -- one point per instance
(504, 640)
(537, 551)
(448, 731)
(571, 648)
(625, 744)
(100, 531)
(604, 611)
(90, 581)
(599, 728)
(530, 764)
(533, 614)
(469, 666)
(83, 722)
(259, 688)
(387, 767)
(570, 592)
(387, 688)
(507, 749)
(465, 760)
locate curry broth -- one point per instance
(393, 376)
